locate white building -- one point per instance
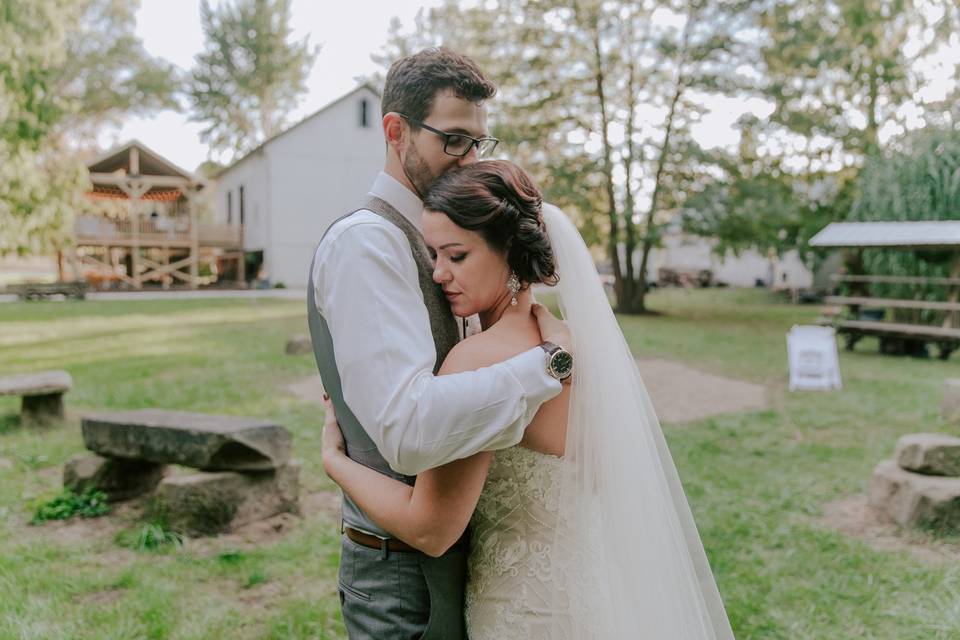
(690, 253)
(286, 192)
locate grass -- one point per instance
(757, 481)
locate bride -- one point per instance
(582, 530)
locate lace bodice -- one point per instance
(509, 588)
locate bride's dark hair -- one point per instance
(500, 201)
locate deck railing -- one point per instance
(154, 232)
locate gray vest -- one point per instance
(359, 445)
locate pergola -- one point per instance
(144, 242)
(939, 235)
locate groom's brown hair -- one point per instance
(414, 81)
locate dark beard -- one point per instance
(417, 172)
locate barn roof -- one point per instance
(361, 87)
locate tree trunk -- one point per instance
(618, 282)
(639, 303)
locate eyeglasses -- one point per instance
(458, 144)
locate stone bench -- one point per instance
(245, 472)
(42, 395)
(204, 441)
(920, 487)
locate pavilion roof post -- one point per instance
(953, 318)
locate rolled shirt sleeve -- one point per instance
(368, 291)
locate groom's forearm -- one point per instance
(450, 417)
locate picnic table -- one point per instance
(866, 317)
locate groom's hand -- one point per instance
(552, 329)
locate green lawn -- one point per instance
(757, 482)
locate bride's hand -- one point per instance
(333, 442)
(552, 329)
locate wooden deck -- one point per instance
(161, 232)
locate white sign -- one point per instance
(813, 360)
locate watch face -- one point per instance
(562, 364)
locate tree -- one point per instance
(596, 99)
(38, 186)
(249, 76)
(107, 75)
(918, 181)
(69, 67)
(839, 75)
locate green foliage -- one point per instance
(67, 67)
(150, 536)
(249, 76)
(256, 577)
(597, 100)
(920, 180)
(107, 74)
(89, 504)
(836, 72)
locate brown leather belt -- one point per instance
(373, 542)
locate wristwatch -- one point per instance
(559, 361)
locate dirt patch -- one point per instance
(100, 598)
(680, 393)
(309, 389)
(854, 517)
(263, 594)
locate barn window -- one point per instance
(242, 216)
(364, 113)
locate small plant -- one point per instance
(232, 556)
(256, 577)
(89, 504)
(152, 536)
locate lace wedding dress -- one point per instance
(600, 544)
(511, 592)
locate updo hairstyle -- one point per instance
(500, 201)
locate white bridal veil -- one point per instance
(627, 558)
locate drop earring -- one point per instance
(513, 286)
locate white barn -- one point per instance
(689, 253)
(286, 192)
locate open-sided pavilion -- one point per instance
(143, 223)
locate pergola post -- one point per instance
(190, 192)
(134, 190)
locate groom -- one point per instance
(381, 329)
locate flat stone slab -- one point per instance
(299, 345)
(44, 383)
(912, 499)
(950, 407)
(216, 502)
(200, 440)
(120, 479)
(935, 454)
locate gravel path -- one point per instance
(680, 393)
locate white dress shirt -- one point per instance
(368, 291)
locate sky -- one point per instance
(349, 32)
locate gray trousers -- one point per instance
(403, 596)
